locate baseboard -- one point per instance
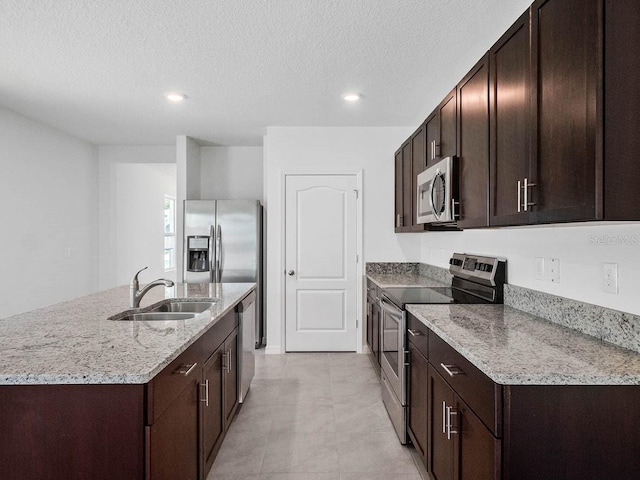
(273, 349)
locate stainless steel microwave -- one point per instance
(436, 190)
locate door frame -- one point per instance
(357, 174)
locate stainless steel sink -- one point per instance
(186, 307)
(156, 316)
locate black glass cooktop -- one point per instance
(432, 295)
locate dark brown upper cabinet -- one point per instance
(410, 161)
(622, 109)
(473, 147)
(441, 130)
(566, 183)
(510, 118)
(404, 179)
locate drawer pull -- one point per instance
(415, 333)
(452, 370)
(185, 369)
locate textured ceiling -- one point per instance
(98, 69)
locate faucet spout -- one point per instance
(136, 293)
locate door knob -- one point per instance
(290, 273)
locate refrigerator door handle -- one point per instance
(218, 254)
(212, 253)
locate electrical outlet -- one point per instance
(554, 270)
(610, 278)
(540, 268)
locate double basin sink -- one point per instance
(173, 310)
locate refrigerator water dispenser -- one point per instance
(198, 253)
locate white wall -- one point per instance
(318, 149)
(231, 173)
(48, 211)
(581, 248)
(133, 182)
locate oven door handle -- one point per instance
(390, 308)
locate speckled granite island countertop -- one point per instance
(515, 348)
(74, 342)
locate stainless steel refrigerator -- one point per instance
(223, 243)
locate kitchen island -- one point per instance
(83, 396)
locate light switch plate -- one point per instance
(610, 278)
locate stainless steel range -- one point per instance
(476, 279)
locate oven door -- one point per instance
(392, 347)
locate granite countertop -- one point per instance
(515, 348)
(405, 280)
(74, 342)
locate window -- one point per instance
(169, 232)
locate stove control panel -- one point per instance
(485, 270)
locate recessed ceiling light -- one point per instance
(351, 97)
(175, 97)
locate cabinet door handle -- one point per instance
(444, 417)
(519, 195)
(399, 221)
(185, 369)
(527, 185)
(452, 370)
(450, 411)
(229, 361)
(205, 400)
(415, 333)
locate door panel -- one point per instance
(320, 256)
(441, 454)
(565, 39)
(239, 231)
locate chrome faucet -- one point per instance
(136, 295)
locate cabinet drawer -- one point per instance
(213, 338)
(167, 385)
(482, 394)
(372, 289)
(418, 334)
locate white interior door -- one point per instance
(320, 262)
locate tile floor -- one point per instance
(313, 416)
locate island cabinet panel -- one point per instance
(172, 440)
(510, 124)
(566, 184)
(230, 379)
(571, 432)
(473, 147)
(72, 432)
(212, 413)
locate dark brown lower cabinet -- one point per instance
(441, 448)
(211, 408)
(418, 400)
(519, 432)
(170, 428)
(230, 378)
(172, 440)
